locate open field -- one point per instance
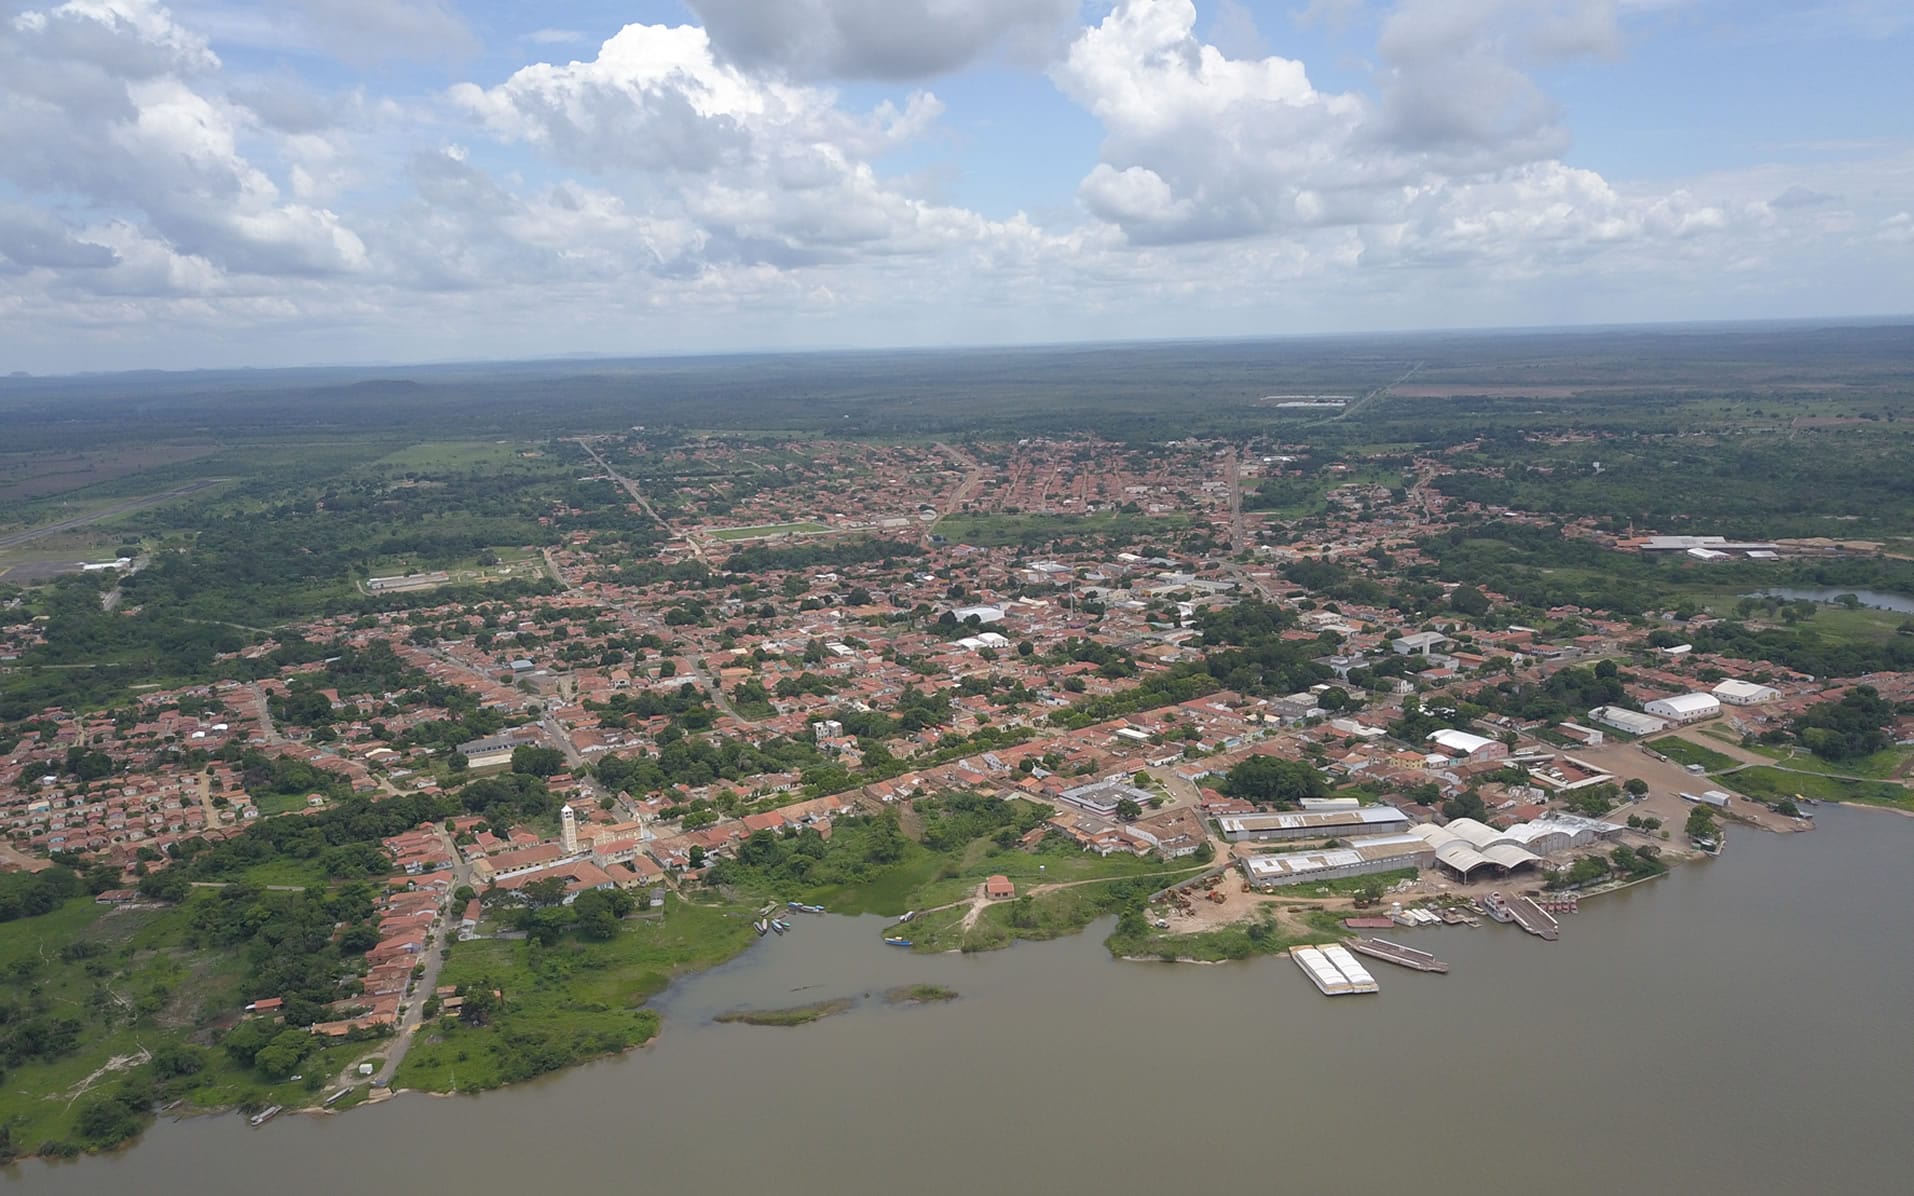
(25, 476)
(1773, 784)
(1687, 751)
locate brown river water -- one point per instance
(1739, 1026)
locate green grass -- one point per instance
(1348, 885)
(798, 1015)
(440, 455)
(568, 1003)
(1773, 784)
(919, 994)
(1243, 940)
(1687, 751)
(303, 874)
(767, 530)
(1881, 766)
(279, 803)
(1054, 862)
(142, 988)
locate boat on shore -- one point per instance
(264, 1115)
(761, 926)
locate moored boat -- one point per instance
(895, 941)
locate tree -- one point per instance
(545, 892)
(1636, 787)
(595, 914)
(1465, 805)
(1128, 809)
(529, 760)
(1701, 823)
(1268, 780)
(280, 1057)
(480, 1004)
(1469, 601)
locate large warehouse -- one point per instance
(1314, 824)
(1381, 853)
(1467, 847)
(1685, 708)
(1745, 693)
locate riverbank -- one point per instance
(551, 1007)
(1626, 973)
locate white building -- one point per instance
(1473, 747)
(983, 614)
(1623, 719)
(1745, 693)
(1420, 643)
(1684, 708)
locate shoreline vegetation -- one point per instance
(796, 1015)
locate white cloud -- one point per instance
(108, 101)
(678, 189)
(772, 171)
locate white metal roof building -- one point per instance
(1685, 708)
(1632, 721)
(1379, 853)
(1466, 846)
(1462, 743)
(1313, 824)
(1745, 693)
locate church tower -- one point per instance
(568, 829)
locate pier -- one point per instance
(1396, 953)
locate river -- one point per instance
(1739, 1026)
(1877, 599)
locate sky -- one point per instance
(213, 184)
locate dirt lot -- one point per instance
(1667, 781)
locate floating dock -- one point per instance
(1333, 970)
(1396, 953)
(1534, 919)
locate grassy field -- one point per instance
(1881, 766)
(1266, 935)
(568, 1003)
(438, 456)
(1687, 751)
(766, 531)
(1773, 784)
(128, 977)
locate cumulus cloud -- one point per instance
(109, 100)
(771, 170)
(877, 39)
(1201, 146)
